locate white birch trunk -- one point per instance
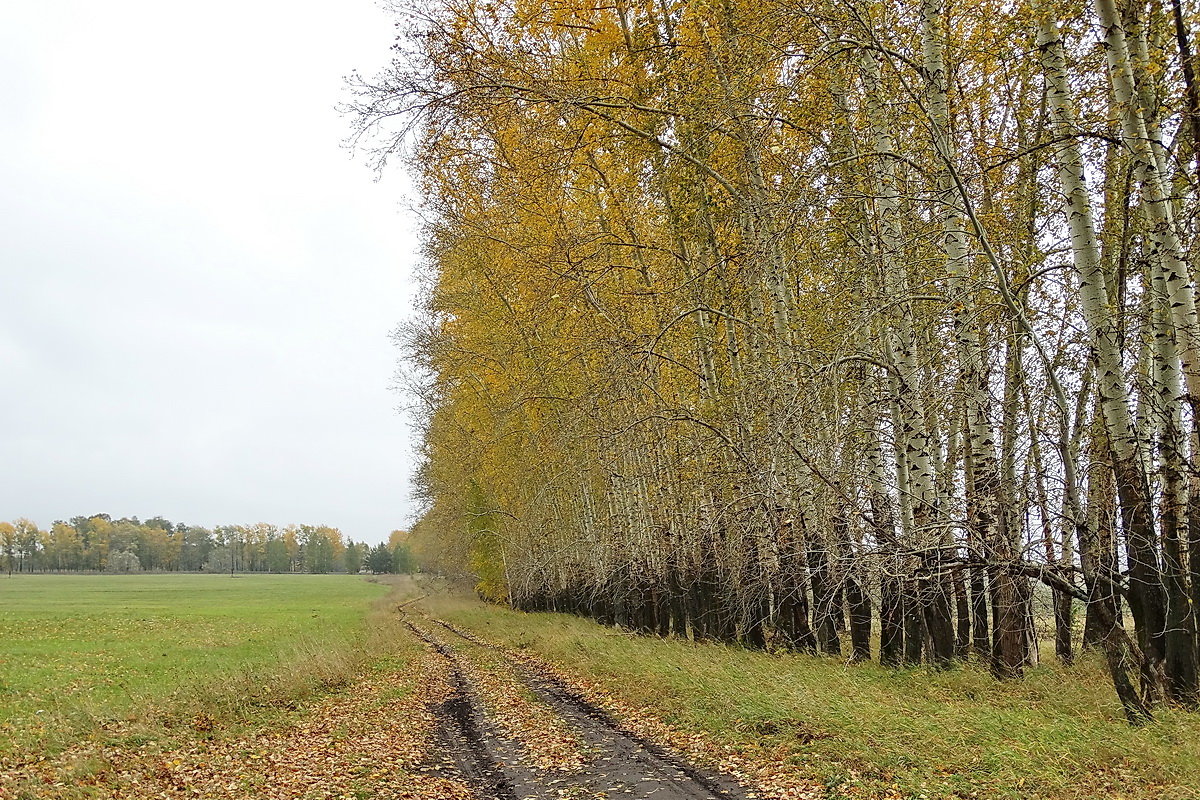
(1112, 382)
(1167, 256)
(915, 475)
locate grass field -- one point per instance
(81, 653)
(912, 733)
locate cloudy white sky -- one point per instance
(196, 281)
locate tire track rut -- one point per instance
(461, 731)
(619, 764)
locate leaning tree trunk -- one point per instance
(1159, 599)
(1111, 381)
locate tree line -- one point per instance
(98, 543)
(840, 326)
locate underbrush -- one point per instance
(863, 730)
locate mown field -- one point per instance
(136, 654)
(866, 731)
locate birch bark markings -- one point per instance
(1146, 596)
(1176, 338)
(955, 244)
(915, 480)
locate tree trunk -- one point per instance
(860, 620)
(962, 614)
(891, 617)
(825, 607)
(1145, 590)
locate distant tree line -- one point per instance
(99, 543)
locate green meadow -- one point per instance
(80, 654)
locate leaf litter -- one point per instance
(368, 740)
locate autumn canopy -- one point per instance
(860, 327)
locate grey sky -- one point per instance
(196, 282)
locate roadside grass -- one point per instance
(863, 729)
(143, 658)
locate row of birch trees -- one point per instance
(863, 327)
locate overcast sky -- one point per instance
(196, 281)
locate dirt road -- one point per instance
(514, 733)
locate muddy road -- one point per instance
(511, 732)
